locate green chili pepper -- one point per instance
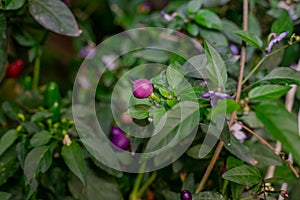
(52, 95)
(55, 110)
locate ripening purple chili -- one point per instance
(215, 97)
(284, 194)
(186, 195)
(119, 138)
(142, 88)
(276, 40)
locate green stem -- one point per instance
(147, 184)
(36, 72)
(225, 187)
(134, 195)
(261, 61)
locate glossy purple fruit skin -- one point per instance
(119, 139)
(186, 195)
(142, 88)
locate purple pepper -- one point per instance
(186, 195)
(142, 88)
(119, 138)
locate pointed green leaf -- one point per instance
(40, 138)
(240, 150)
(73, 157)
(283, 75)
(283, 23)
(192, 29)
(194, 6)
(55, 16)
(174, 75)
(281, 124)
(13, 4)
(249, 38)
(7, 140)
(226, 106)
(208, 19)
(32, 163)
(216, 68)
(139, 111)
(244, 174)
(268, 92)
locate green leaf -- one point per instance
(13, 4)
(40, 116)
(232, 162)
(208, 19)
(7, 140)
(174, 126)
(281, 124)
(208, 196)
(284, 23)
(240, 150)
(3, 43)
(102, 186)
(189, 183)
(193, 152)
(252, 120)
(157, 115)
(174, 75)
(55, 16)
(216, 38)
(164, 92)
(216, 68)
(283, 75)
(226, 106)
(73, 157)
(245, 175)
(267, 158)
(155, 55)
(229, 28)
(268, 92)
(32, 162)
(194, 6)
(9, 165)
(192, 29)
(40, 138)
(189, 94)
(249, 38)
(139, 111)
(5, 195)
(10, 109)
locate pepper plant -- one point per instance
(238, 100)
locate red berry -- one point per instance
(142, 88)
(186, 195)
(14, 69)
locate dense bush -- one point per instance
(219, 84)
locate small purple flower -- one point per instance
(166, 16)
(215, 97)
(276, 40)
(142, 88)
(87, 51)
(119, 138)
(234, 49)
(186, 195)
(236, 129)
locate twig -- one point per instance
(238, 94)
(262, 140)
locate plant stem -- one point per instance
(147, 184)
(134, 195)
(238, 94)
(261, 61)
(36, 72)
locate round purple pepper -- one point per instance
(142, 88)
(186, 195)
(119, 138)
